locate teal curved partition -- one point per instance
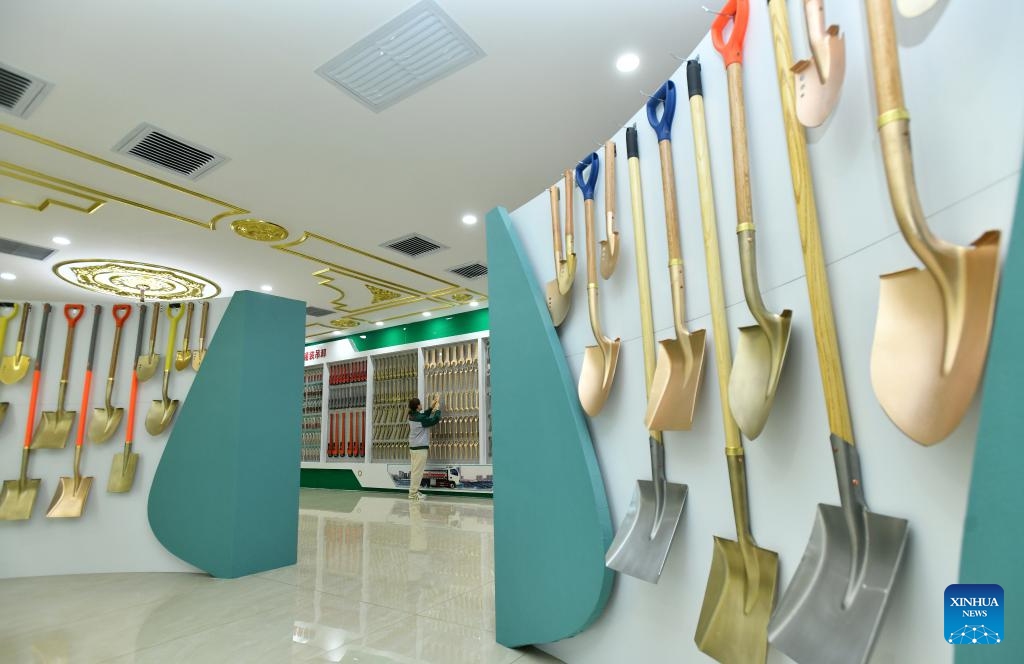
(225, 496)
(552, 525)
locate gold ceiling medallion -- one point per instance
(381, 294)
(462, 297)
(259, 230)
(130, 278)
(345, 322)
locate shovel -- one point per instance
(183, 358)
(558, 302)
(740, 594)
(69, 499)
(819, 78)
(833, 608)
(146, 365)
(599, 361)
(18, 496)
(933, 325)
(122, 469)
(609, 247)
(762, 347)
(106, 420)
(55, 425)
(14, 367)
(644, 538)
(200, 353)
(13, 306)
(673, 393)
(162, 410)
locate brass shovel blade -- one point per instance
(197, 358)
(160, 414)
(645, 535)
(596, 379)
(69, 500)
(924, 401)
(147, 366)
(677, 377)
(182, 359)
(818, 619)
(52, 432)
(17, 498)
(122, 471)
(13, 368)
(756, 370)
(738, 601)
(104, 423)
(558, 303)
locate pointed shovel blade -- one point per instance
(122, 471)
(104, 424)
(673, 393)
(53, 430)
(182, 359)
(644, 537)
(146, 367)
(17, 499)
(13, 369)
(597, 376)
(69, 500)
(755, 372)
(558, 303)
(197, 359)
(160, 414)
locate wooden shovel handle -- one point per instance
(25, 308)
(556, 227)
(885, 58)
(740, 153)
(570, 205)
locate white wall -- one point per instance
(113, 533)
(967, 108)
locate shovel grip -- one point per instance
(587, 185)
(73, 313)
(172, 333)
(666, 97)
(737, 12)
(121, 313)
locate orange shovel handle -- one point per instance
(737, 11)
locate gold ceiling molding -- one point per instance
(130, 279)
(462, 297)
(346, 322)
(85, 203)
(381, 294)
(259, 230)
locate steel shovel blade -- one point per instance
(733, 623)
(756, 370)
(907, 357)
(122, 471)
(53, 430)
(104, 424)
(160, 415)
(558, 303)
(645, 535)
(13, 369)
(597, 376)
(833, 608)
(146, 367)
(69, 501)
(17, 499)
(673, 393)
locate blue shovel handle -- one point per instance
(587, 186)
(666, 95)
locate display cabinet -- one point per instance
(346, 410)
(312, 407)
(394, 384)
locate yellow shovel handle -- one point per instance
(172, 333)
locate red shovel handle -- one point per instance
(73, 313)
(738, 12)
(121, 313)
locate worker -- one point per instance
(420, 422)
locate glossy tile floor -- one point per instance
(378, 580)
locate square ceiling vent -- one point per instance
(20, 92)
(420, 46)
(414, 245)
(23, 250)
(472, 270)
(168, 152)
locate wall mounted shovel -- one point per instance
(644, 537)
(147, 364)
(14, 367)
(105, 420)
(819, 79)
(122, 469)
(740, 593)
(558, 302)
(609, 247)
(914, 8)
(72, 492)
(4, 319)
(55, 425)
(833, 608)
(933, 325)
(200, 353)
(762, 347)
(183, 358)
(680, 365)
(162, 410)
(19, 496)
(599, 361)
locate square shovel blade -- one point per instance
(69, 501)
(17, 499)
(643, 539)
(122, 472)
(53, 430)
(822, 617)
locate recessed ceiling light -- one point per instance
(427, 314)
(362, 336)
(627, 62)
(379, 323)
(469, 219)
(7, 276)
(336, 332)
(266, 287)
(60, 239)
(474, 303)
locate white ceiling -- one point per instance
(237, 76)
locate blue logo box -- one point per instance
(974, 614)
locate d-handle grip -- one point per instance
(121, 313)
(738, 12)
(593, 162)
(73, 313)
(693, 82)
(665, 96)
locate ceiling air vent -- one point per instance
(162, 149)
(414, 245)
(470, 270)
(22, 250)
(317, 312)
(418, 47)
(20, 92)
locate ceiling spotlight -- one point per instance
(7, 276)
(362, 336)
(427, 314)
(59, 239)
(379, 323)
(474, 303)
(266, 287)
(336, 332)
(627, 62)
(469, 219)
